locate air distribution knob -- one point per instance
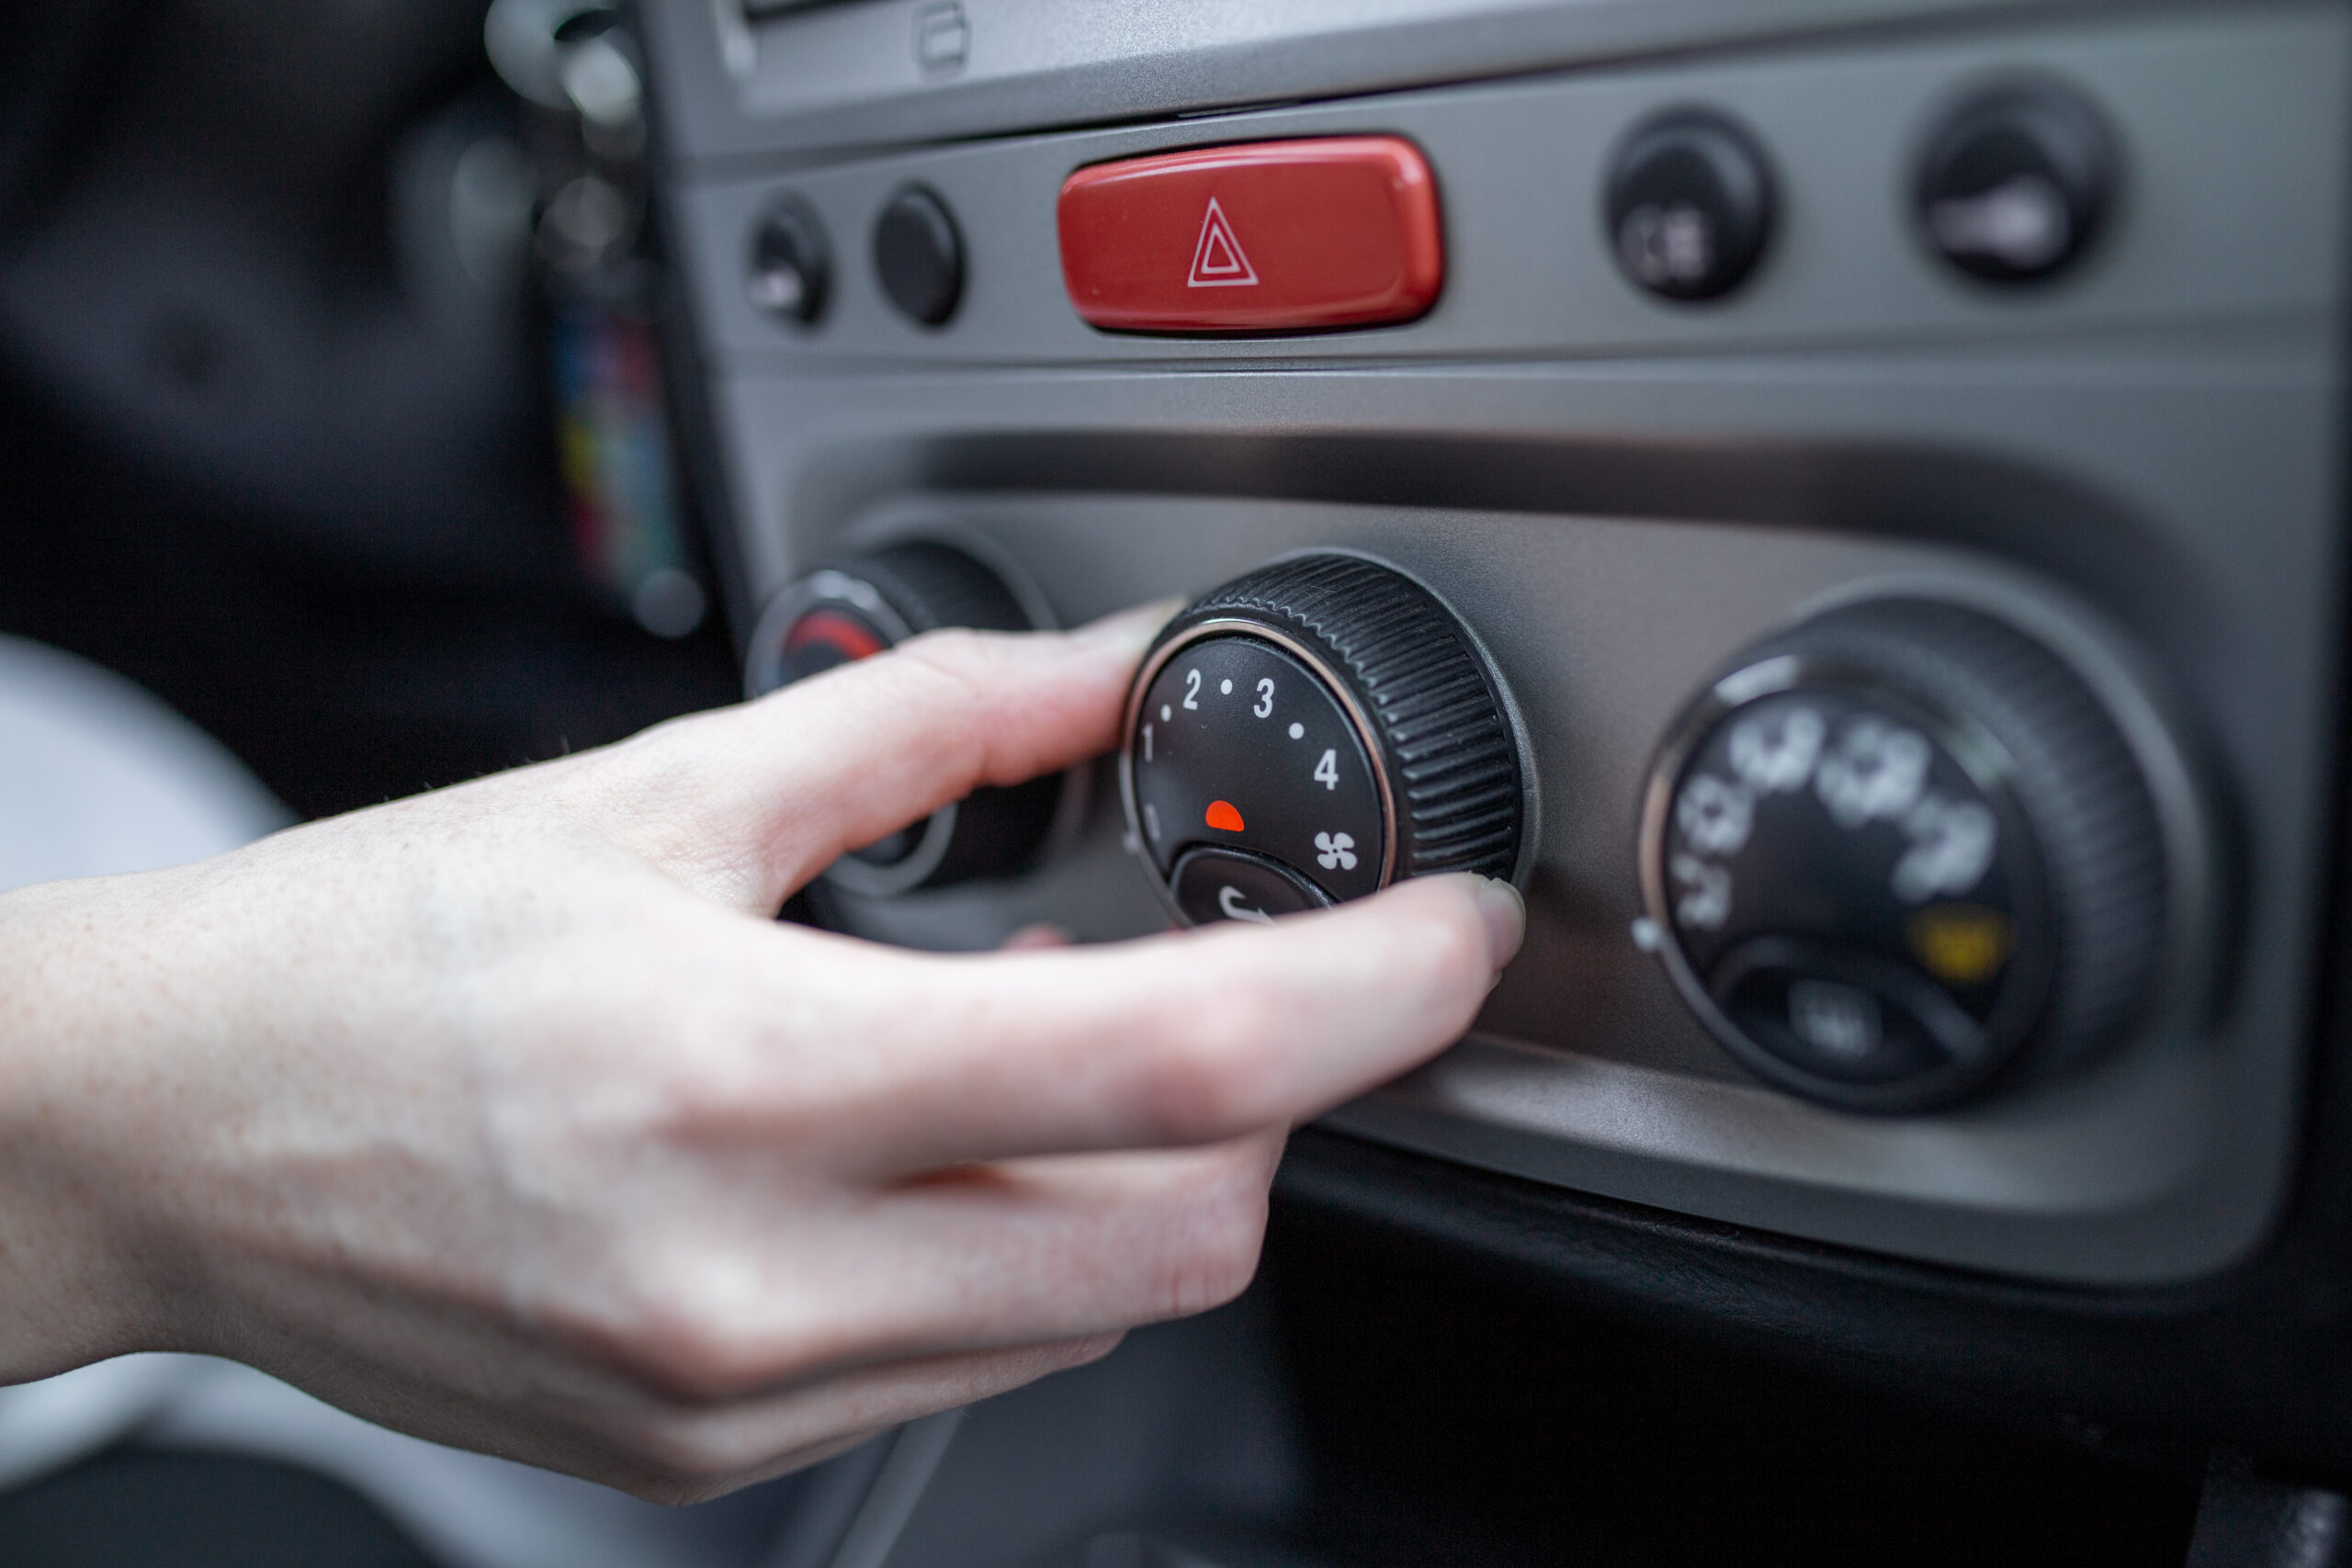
(1309, 733)
(1901, 848)
(857, 607)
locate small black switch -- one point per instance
(1690, 205)
(792, 267)
(1229, 885)
(2015, 183)
(920, 255)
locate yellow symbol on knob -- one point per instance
(1961, 944)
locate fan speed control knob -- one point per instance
(1309, 733)
(1898, 848)
(859, 607)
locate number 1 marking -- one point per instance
(1147, 743)
(1327, 771)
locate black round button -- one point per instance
(1324, 726)
(1899, 845)
(853, 610)
(1231, 884)
(2015, 184)
(1688, 205)
(920, 256)
(791, 267)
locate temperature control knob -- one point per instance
(1898, 845)
(860, 606)
(1309, 733)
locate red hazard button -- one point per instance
(1271, 236)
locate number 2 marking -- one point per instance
(1191, 688)
(1327, 771)
(1265, 697)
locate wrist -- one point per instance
(78, 1266)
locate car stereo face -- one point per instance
(1845, 517)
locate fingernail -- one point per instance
(1131, 629)
(1038, 933)
(1506, 915)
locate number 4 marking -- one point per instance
(1327, 771)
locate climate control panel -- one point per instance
(1845, 477)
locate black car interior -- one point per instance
(1840, 501)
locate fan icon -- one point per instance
(1339, 851)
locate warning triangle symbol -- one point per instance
(1218, 261)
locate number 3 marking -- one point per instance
(1327, 771)
(1265, 697)
(1191, 688)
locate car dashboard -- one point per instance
(1839, 502)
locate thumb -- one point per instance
(746, 803)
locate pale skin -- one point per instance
(508, 1116)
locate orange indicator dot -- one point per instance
(1224, 818)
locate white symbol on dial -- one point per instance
(1715, 814)
(1877, 769)
(1951, 847)
(1775, 752)
(1229, 898)
(1337, 851)
(1836, 1019)
(1706, 900)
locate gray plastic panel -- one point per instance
(2232, 131)
(873, 73)
(1620, 497)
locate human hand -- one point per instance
(508, 1116)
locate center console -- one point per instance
(1838, 499)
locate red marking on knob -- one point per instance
(852, 638)
(1224, 818)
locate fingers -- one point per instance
(1072, 1245)
(688, 1453)
(1191, 1038)
(979, 1257)
(748, 803)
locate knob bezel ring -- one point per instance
(2187, 784)
(1988, 766)
(1523, 739)
(762, 672)
(1317, 665)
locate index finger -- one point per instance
(748, 803)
